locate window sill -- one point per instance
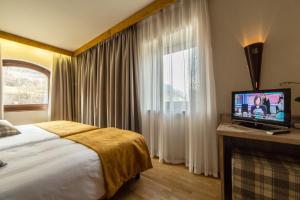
(25, 107)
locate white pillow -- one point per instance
(7, 129)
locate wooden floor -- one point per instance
(170, 182)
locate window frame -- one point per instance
(32, 66)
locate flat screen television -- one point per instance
(262, 107)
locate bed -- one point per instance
(86, 164)
(54, 169)
(29, 134)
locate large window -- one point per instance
(176, 71)
(26, 86)
(178, 68)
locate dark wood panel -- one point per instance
(20, 63)
(25, 107)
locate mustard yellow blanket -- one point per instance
(124, 154)
(65, 128)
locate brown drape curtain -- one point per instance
(62, 93)
(106, 83)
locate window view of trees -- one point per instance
(177, 69)
(24, 86)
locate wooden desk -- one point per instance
(234, 136)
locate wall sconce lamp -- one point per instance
(253, 54)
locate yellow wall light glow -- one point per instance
(14, 50)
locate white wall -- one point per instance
(13, 50)
(239, 22)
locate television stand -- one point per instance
(258, 126)
(231, 138)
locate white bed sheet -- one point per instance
(30, 134)
(55, 169)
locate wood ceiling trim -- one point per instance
(133, 19)
(23, 40)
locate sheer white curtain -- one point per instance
(1, 88)
(177, 86)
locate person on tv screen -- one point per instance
(280, 105)
(280, 109)
(266, 103)
(258, 109)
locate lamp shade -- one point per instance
(254, 57)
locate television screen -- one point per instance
(268, 106)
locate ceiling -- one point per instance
(67, 24)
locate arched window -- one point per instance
(26, 86)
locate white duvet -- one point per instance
(55, 169)
(30, 134)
